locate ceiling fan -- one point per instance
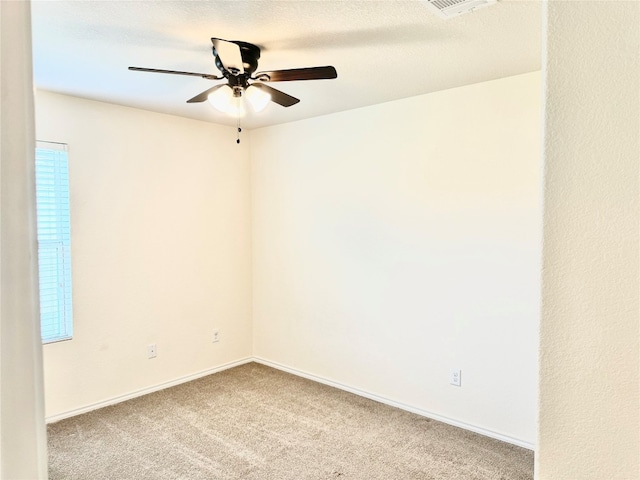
(237, 62)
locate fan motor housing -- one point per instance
(250, 54)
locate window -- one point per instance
(54, 241)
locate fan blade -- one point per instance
(312, 73)
(277, 96)
(229, 54)
(204, 95)
(176, 72)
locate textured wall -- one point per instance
(161, 249)
(394, 242)
(23, 449)
(589, 336)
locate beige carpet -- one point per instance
(254, 422)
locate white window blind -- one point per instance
(54, 241)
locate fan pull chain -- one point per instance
(239, 130)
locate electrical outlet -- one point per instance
(455, 377)
(216, 336)
(152, 351)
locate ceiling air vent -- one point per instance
(453, 8)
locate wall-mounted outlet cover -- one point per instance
(455, 377)
(216, 336)
(152, 350)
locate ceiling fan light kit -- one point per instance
(237, 62)
(227, 100)
(231, 100)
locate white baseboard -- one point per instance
(400, 405)
(144, 391)
(300, 373)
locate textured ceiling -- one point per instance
(382, 50)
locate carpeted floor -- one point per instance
(254, 422)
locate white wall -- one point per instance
(161, 234)
(589, 377)
(393, 242)
(23, 442)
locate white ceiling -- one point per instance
(382, 50)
